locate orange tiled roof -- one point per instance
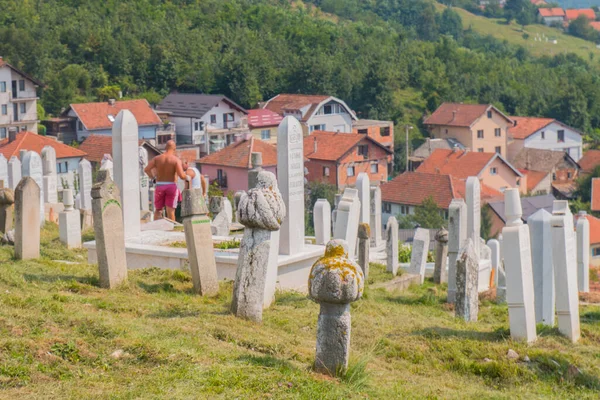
(95, 115)
(294, 102)
(460, 164)
(589, 161)
(260, 118)
(34, 142)
(331, 146)
(551, 12)
(594, 228)
(595, 25)
(575, 13)
(533, 178)
(96, 146)
(595, 194)
(527, 126)
(239, 154)
(487, 193)
(455, 114)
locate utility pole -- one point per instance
(407, 128)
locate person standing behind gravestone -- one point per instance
(166, 168)
(198, 181)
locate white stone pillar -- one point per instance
(144, 193)
(391, 231)
(583, 252)
(474, 212)
(363, 185)
(347, 216)
(322, 221)
(14, 172)
(50, 177)
(540, 232)
(418, 257)
(376, 227)
(494, 246)
(457, 236)
(4, 170)
(32, 166)
(84, 171)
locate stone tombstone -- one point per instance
(126, 167)
(494, 246)
(144, 181)
(4, 171)
(7, 199)
(228, 209)
(457, 235)
(418, 257)
(583, 252)
(220, 222)
(347, 219)
(440, 272)
(564, 256)
(27, 219)
(69, 226)
(256, 161)
(364, 244)
(50, 176)
(363, 185)
(375, 211)
(109, 231)
(22, 153)
(519, 273)
(467, 283)
(261, 211)
(290, 176)
(85, 184)
(322, 221)
(14, 172)
(236, 202)
(198, 238)
(391, 238)
(473, 196)
(107, 164)
(334, 282)
(540, 235)
(336, 201)
(31, 166)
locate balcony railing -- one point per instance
(24, 95)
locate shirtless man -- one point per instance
(166, 168)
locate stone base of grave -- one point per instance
(151, 249)
(399, 283)
(485, 269)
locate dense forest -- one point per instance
(389, 59)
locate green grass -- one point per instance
(58, 331)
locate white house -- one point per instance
(209, 120)
(315, 112)
(545, 134)
(18, 100)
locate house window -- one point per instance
(4, 109)
(498, 149)
(265, 134)
(384, 131)
(561, 136)
(196, 126)
(446, 131)
(404, 210)
(2, 133)
(569, 175)
(543, 135)
(363, 150)
(21, 85)
(387, 208)
(213, 118)
(327, 109)
(363, 131)
(79, 126)
(320, 127)
(489, 114)
(497, 132)
(163, 139)
(229, 117)
(480, 134)
(596, 252)
(63, 167)
(23, 108)
(350, 171)
(23, 128)
(493, 171)
(553, 176)
(374, 168)
(480, 149)
(3, 87)
(325, 171)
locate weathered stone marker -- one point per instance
(418, 257)
(322, 221)
(220, 223)
(69, 222)
(494, 246)
(457, 235)
(32, 166)
(540, 233)
(440, 273)
(256, 161)
(363, 185)
(144, 182)
(519, 274)
(198, 238)
(347, 219)
(7, 199)
(467, 277)
(334, 282)
(261, 212)
(364, 243)
(27, 219)
(565, 271)
(375, 211)
(50, 177)
(473, 197)
(391, 235)
(583, 252)
(14, 172)
(109, 230)
(85, 184)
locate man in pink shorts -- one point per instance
(166, 168)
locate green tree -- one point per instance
(316, 190)
(427, 215)
(581, 28)
(520, 10)
(451, 24)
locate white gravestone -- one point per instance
(375, 211)
(290, 178)
(391, 232)
(564, 256)
(14, 172)
(540, 232)
(346, 220)
(583, 252)
(519, 274)
(363, 185)
(107, 164)
(69, 223)
(494, 246)
(228, 209)
(144, 184)
(4, 171)
(473, 197)
(85, 184)
(457, 236)
(50, 177)
(126, 167)
(418, 257)
(32, 166)
(322, 221)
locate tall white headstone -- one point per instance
(290, 177)
(494, 246)
(418, 257)
(519, 275)
(346, 220)
(391, 248)
(376, 227)
(474, 211)
(14, 172)
(363, 185)
(4, 170)
(85, 184)
(564, 256)
(583, 252)
(50, 177)
(540, 232)
(126, 169)
(107, 164)
(322, 221)
(144, 183)
(32, 167)
(457, 237)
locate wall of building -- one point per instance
(72, 163)
(144, 132)
(315, 171)
(257, 133)
(497, 223)
(462, 134)
(572, 144)
(504, 178)
(28, 120)
(375, 133)
(237, 178)
(594, 261)
(333, 122)
(549, 20)
(396, 210)
(543, 187)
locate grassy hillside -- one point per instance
(63, 337)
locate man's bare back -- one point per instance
(168, 168)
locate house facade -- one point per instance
(18, 100)
(479, 127)
(544, 134)
(337, 158)
(550, 16)
(263, 124)
(381, 131)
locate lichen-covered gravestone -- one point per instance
(27, 219)
(261, 212)
(467, 276)
(7, 199)
(364, 242)
(334, 282)
(109, 231)
(440, 274)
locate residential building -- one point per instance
(315, 112)
(96, 146)
(551, 16)
(421, 153)
(573, 14)
(211, 121)
(594, 243)
(479, 127)
(18, 100)
(544, 133)
(98, 118)
(263, 124)
(62, 128)
(595, 25)
(337, 158)
(529, 205)
(491, 168)
(229, 166)
(67, 157)
(589, 161)
(381, 131)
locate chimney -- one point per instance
(315, 144)
(111, 102)
(12, 135)
(453, 115)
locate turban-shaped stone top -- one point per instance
(335, 278)
(262, 207)
(7, 196)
